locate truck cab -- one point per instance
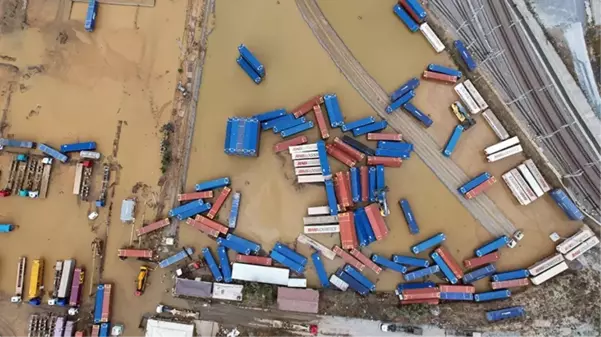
(141, 280)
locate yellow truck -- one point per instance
(36, 279)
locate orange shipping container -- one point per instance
(376, 221)
(284, 145)
(366, 261)
(393, 137)
(202, 227)
(348, 258)
(212, 224)
(386, 161)
(321, 122)
(194, 195)
(219, 202)
(364, 171)
(521, 282)
(349, 150)
(348, 236)
(450, 261)
(304, 108)
(480, 261)
(340, 156)
(430, 75)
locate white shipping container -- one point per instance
(303, 148)
(310, 179)
(530, 180)
(78, 176)
(320, 220)
(475, 94)
(495, 125)
(515, 189)
(502, 145)
(504, 154)
(299, 171)
(523, 185)
(549, 274)
(545, 264)
(297, 283)
(322, 229)
(306, 163)
(305, 155)
(579, 237)
(431, 37)
(325, 251)
(338, 282)
(261, 274)
(582, 248)
(89, 154)
(537, 175)
(229, 292)
(66, 277)
(318, 210)
(467, 98)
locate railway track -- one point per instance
(521, 79)
(451, 175)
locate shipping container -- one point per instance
(457, 289)
(261, 274)
(420, 294)
(137, 253)
(410, 261)
(333, 110)
(492, 295)
(429, 75)
(287, 262)
(428, 301)
(76, 286)
(77, 147)
(393, 153)
(106, 303)
(348, 258)
(416, 274)
(270, 124)
(466, 98)
(69, 327)
(219, 202)
(192, 288)
(415, 285)
(321, 122)
(386, 161)
(90, 22)
(213, 184)
(357, 145)
(444, 268)
(412, 84)
(431, 37)
(582, 248)
(355, 184)
(253, 246)
(305, 155)
(269, 115)
(405, 18)
(340, 155)
(228, 292)
(249, 70)
(288, 124)
(380, 178)
(353, 284)
(479, 274)
(203, 228)
(363, 221)
(325, 251)
(495, 125)
(318, 210)
(475, 94)
(331, 196)
(354, 273)
(194, 196)
(348, 236)
(401, 101)
(305, 107)
(417, 8)
(358, 123)
(53, 153)
(480, 261)
(537, 175)
(573, 241)
(418, 114)
(233, 218)
(566, 204)
(429, 243)
(545, 264)
(5, 142)
(224, 264)
(364, 176)
(338, 282)
(384, 262)
(493, 245)
(176, 257)
(437, 68)
(251, 59)
(377, 126)
(104, 330)
(349, 150)
(452, 142)
(66, 279)
(465, 55)
(6, 228)
(504, 154)
(390, 137)
(523, 185)
(521, 282)
(258, 260)
(366, 261)
(409, 217)
(480, 188)
(506, 313)
(502, 145)
(89, 155)
(193, 211)
(376, 220)
(515, 189)
(399, 146)
(290, 253)
(95, 327)
(320, 270)
(448, 296)
(511, 275)
(98, 300)
(474, 182)
(305, 147)
(530, 180)
(306, 163)
(299, 300)
(373, 181)
(183, 208)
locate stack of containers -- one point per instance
(527, 184)
(503, 149)
(250, 64)
(286, 256)
(242, 137)
(305, 159)
(401, 98)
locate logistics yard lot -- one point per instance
(116, 86)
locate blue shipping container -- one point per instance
(251, 59)
(176, 257)
(373, 183)
(364, 222)
(360, 231)
(228, 136)
(566, 204)
(213, 184)
(412, 84)
(193, 211)
(380, 178)
(360, 277)
(321, 270)
(5, 228)
(234, 245)
(479, 274)
(323, 160)
(492, 246)
(76, 147)
(399, 146)
(410, 261)
(296, 129)
(333, 110)
(421, 273)
(233, 219)
(417, 8)
(284, 125)
(511, 275)
(409, 217)
(98, 303)
(283, 260)
(452, 142)
(278, 120)
(393, 153)
(269, 115)
(404, 16)
(224, 264)
(291, 254)
(206, 253)
(505, 313)
(254, 247)
(180, 209)
(355, 184)
(358, 123)
(400, 102)
(249, 70)
(470, 185)
(437, 68)
(53, 153)
(386, 263)
(104, 330)
(331, 195)
(418, 285)
(429, 243)
(354, 284)
(357, 145)
(456, 296)
(492, 295)
(444, 268)
(417, 114)
(90, 22)
(374, 127)
(465, 55)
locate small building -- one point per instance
(156, 328)
(128, 208)
(299, 300)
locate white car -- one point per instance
(518, 235)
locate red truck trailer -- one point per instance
(219, 202)
(106, 303)
(194, 195)
(348, 236)
(304, 108)
(386, 161)
(480, 261)
(366, 261)
(257, 260)
(284, 145)
(137, 253)
(348, 258)
(340, 155)
(153, 227)
(203, 228)
(321, 122)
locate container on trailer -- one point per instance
(480, 188)
(415, 285)
(377, 126)
(432, 38)
(353, 284)
(566, 204)
(429, 75)
(290, 253)
(321, 122)
(224, 264)
(410, 85)
(213, 184)
(225, 192)
(338, 282)
(429, 243)
(376, 220)
(515, 189)
(349, 150)
(249, 70)
(453, 140)
(333, 110)
(405, 18)
(511, 275)
(445, 254)
(466, 98)
(325, 251)
(305, 107)
(269, 115)
(401, 101)
(358, 145)
(373, 181)
(306, 163)
(194, 196)
(229, 292)
(386, 161)
(495, 125)
(285, 261)
(465, 55)
(104, 330)
(416, 274)
(410, 261)
(288, 124)
(348, 236)
(492, 295)
(89, 154)
(299, 300)
(53, 153)
(457, 289)
(192, 288)
(348, 258)
(233, 217)
(504, 154)
(355, 184)
(437, 68)
(480, 261)
(320, 270)
(98, 303)
(386, 263)
(417, 8)
(106, 302)
(444, 268)
(76, 286)
(363, 221)
(399, 146)
(270, 124)
(69, 327)
(520, 282)
(77, 147)
(212, 224)
(340, 155)
(479, 274)
(261, 274)
(492, 245)
(5, 228)
(545, 264)
(253, 246)
(470, 185)
(393, 153)
(95, 327)
(505, 313)
(251, 59)
(358, 123)
(409, 217)
(448, 296)
(5, 142)
(582, 248)
(380, 178)
(59, 326)
(323, 160)
(331, 196)
(258, 260)
(36, 278)
(176, 257)
(573, 241)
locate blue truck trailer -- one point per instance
(296, 129)
(429, 243)
(354, 284)
(374, 127)
(5, 142)
(393, 153)
(386, 263)
(250, 72)
(409, 217)
(360, 231)
(414, 275)
(465, 55)
(224, 264)
(193, 211)
(400, 102)
(452, 142)
(176, 257)
(470, 185)
(479, 274)
(412, 84)
(410, 261)
(492, 295)
(492, 245)
(253, 246)
(288, 263)
(566, 204)
(53, 153)
(252, 60)
(77, 147)
(320, 270)
(444, 268)
(269, 115)
(417, 9)
(233, 245)
(233, 218)
(270, 124)
(291, 254)
(373, 183)
(98, 300)
(511, 275)
(213, 184)
(357, 145)
(355, 184)
(418, 114)
(331, 196)
(323, 160)
(505, 313)
(206, 254)
(456, 296)
(437, 68)
(333, 110)
(415, 285)
(358, 123)
(91, 13)
(405, 18)
(360, 277)
(364, 222)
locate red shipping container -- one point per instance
(203, 228)
(386, 161)
(420, 294)
(366, 261)
(364, 171)
(95, 330)
(284, 145)
(194, 196)
(444, 288)
(321, 122)
(521, 282)
(219, 202)
(340, 155)
(480, 188)
(450, 261)
(348, 236)
(212, 224)
(480, 261)
(342, 190)
(304, 108)
(409, 11)
(376, 221)
(422, 301)
(348, 150)
(348, 258)
(393, 137)
(347, 182)
(153, 227)
(106, 303)
(430, 75)
(258, 260)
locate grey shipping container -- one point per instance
(191, 288)
(299, 300)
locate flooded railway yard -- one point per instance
(117, 87)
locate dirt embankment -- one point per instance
(13, 15)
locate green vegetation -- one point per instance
(166, 156)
